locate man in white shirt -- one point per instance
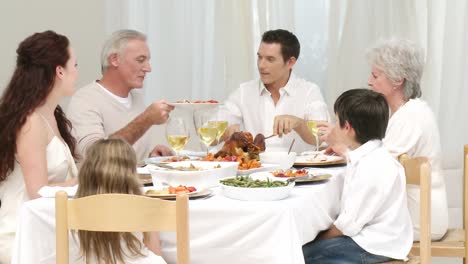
(114, 106)
(374, 224)
(276, 103)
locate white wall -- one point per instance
(81, 21)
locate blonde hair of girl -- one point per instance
(109, 167)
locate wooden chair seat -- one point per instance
(451, 245)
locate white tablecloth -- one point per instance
(222, 230)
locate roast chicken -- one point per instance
(244, 145)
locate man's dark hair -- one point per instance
(290, 46)
(366, 111)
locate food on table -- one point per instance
(248, 182)
(173, 190)
(242, 144)
(176, 159)
(198, 101)
(317, 157)
(289, 173)
(244, 163)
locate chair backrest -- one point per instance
(418, 172)
(121, 213)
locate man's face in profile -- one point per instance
(134, 63)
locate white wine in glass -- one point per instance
(315, 112)
(221, 126)
(207, 135)
(177, 142)
(177, 134)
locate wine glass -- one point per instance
(314, 112)
(207, 128)
(216, 120)
(177, 134)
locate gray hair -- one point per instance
(116, 43)
(400, 59)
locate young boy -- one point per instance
(374, 224)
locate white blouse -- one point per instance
(252, 107)
(413, 130)
(374, 210)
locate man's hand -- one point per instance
(161, 150)
(284, 124)
(158, 112)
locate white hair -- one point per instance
(400, 60)
(116, 43)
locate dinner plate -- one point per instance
(308, 178)
(195, 106)
(264, 167)
(313, 178)
(309, 161)
(192, 195)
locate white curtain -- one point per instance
(205, 49)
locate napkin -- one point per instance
(49, 191)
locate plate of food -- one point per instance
(195, 105)
(170, 192)
(263, 167)
(300, 176)
(249, 188)
(318, 159)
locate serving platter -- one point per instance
(195, 106)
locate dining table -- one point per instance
(222, 230)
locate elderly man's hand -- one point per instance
(158, 112)
(161, 150)
(284, 124)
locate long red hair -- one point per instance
(32, 81)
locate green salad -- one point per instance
(248, 182)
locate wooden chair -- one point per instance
(121, 213)
(418, 172)
(454, 244)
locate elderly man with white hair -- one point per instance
(397, 67)
(113, 106)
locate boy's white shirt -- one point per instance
(374, 210)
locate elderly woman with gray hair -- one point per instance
(397, 67)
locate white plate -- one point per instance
(195, 106)
(264, 167)
(309, 160)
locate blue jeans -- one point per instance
(338, 250)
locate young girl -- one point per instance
(110, 167)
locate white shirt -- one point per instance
(374, 210)
(413, 130)
(252, 107)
